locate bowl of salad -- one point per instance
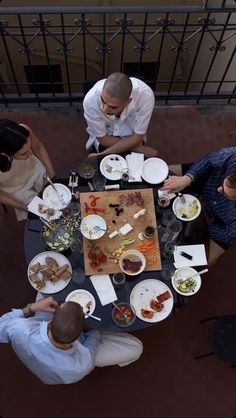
(123, 314)
(186, 281)
(59, 237)
(186, 209)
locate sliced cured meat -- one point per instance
(156, 306)
(147, 314)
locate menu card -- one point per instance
(104, 288)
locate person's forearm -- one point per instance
(43, 156)
(127, 143)
(9, 200)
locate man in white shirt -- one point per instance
(49, 339)
(118, 111)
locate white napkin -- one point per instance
(166, 192)
(104, 288)
(33, 207)
(135, 162)
(197, 251)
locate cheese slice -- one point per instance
(139, 213)
(125, 229)
(113, 234)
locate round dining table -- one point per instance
(33, 245)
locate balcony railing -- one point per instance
(53, 55)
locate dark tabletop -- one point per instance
(33, 246)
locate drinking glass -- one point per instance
(99, 182)
(172, 231)
(72, 211)
(77, 244)
(167, 271)
(78, 276)
(163, 200)
(118, 279)
(125, 177)
(169, 249)
(168, 216)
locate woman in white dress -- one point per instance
(24, 165)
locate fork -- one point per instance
(110, 169)
(182, 198)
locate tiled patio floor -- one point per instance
(166, 382)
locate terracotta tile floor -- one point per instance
(166, 382)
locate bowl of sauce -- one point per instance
(132, 262)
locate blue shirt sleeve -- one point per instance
(5, 321)
(210, 162)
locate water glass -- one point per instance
(78, 276)
(99, 182)
(168, 216)
(167, 271)
(118, 279)
(172, 231)
(169, 249)
(125, 177)
(77, 244)
(164, 200)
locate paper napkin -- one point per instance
(197, 251)
(135, 162)
(33, 207)
(104, 288)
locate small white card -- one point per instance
(196, 251)
(104, 288)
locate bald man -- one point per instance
(118, 111)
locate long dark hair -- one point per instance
(12, 138)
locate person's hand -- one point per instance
(93, 154)
(45, 305)
(176, 183)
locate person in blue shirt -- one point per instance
(49, 339)
(214, 178)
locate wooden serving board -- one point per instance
(105, 243)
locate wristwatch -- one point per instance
(27, 311)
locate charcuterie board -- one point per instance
(118, 209)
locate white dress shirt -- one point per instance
(29, 340)
(134, 119)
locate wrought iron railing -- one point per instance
(54, 55)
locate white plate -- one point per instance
(182, 274)
(154, 170)
(51, 198)
(89, 223)
(179, 208)
(82, 297)
(33, 207)
(50, 288)
(128, 253)
(115, 161)
(144, 292)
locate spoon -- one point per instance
(61, 200)
(193, 275)
(93, 316)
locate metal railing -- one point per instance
(54, 55)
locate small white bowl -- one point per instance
(82, 297)
(182, 274)
(55, 200)
(137, 254)
(88, 227)
(179, 208)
